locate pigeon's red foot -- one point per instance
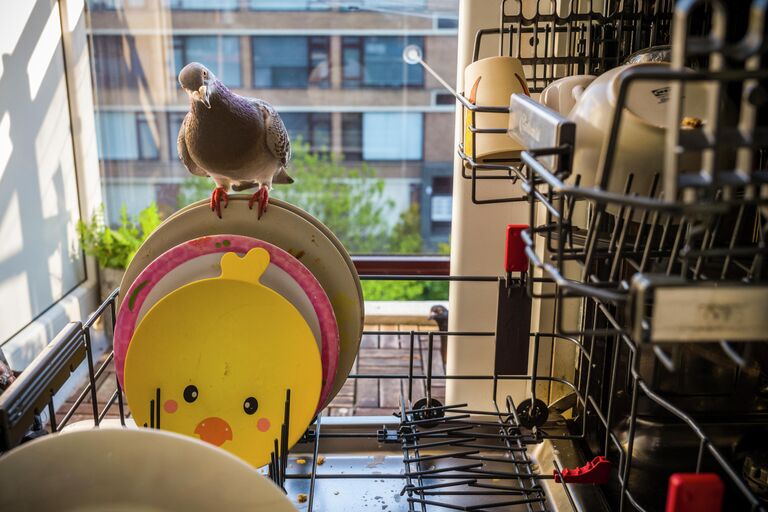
(262, 196)
(219, 194)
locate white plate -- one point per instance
(119, 469)
(299, 234)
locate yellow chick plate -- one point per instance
(214, 360)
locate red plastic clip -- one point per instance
(595, 472)
(695, 492)
(515, 259)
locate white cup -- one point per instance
(640, 143)
(490, 82)
(561, 95)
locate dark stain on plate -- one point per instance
(296, 254)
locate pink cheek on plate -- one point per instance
(263, 424)
(170, 406)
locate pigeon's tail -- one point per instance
(282, 178)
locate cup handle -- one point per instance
(577, 91)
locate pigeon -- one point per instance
(237, 141)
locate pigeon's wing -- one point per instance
(277, 136)
(181, 146)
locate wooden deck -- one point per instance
(380, 354)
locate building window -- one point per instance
(174, 125)
(313, 128)
(288, 62)
(378, 62)
(392, 135)
(289, 5)
(352, 136)
(114, 64)
(220, 54)
(204, 5)
(126, 136)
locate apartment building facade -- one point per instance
(334, 71)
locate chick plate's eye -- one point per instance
(251, 405)
(190, 393)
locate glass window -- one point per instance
(334, 71)
(113, 62)
(392, 135)
(174, 125)
(288, 5)
(378, 62)
(313, 128)
(147, 142)
(204, 5)
(125, 136)
(220, 54)
(287, 62)
(352, 136)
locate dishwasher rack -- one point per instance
(580, 38)
(482, 456)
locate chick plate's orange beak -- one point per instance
(214, 430)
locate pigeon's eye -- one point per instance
(190, 393)
(205, 74)
(251, 405)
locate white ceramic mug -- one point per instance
(490, 82)
(561, 95)
(640, 143)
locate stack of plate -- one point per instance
(178, 315)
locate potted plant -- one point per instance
(114, 248)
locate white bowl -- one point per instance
(120, 469)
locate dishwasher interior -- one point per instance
(669, 283)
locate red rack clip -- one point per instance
(515, 259)
(694, 492)
(595, 472)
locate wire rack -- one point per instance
(579, 37)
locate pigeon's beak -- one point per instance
(202, 95)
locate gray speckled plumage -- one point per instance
(237, 141)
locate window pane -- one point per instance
(352, 136)
(392, 136)
(334, 71)
(280, 62)
(111, 63)
(382, 62)
(297, 124)
(117, 136)
(147, 143)
(219, 54)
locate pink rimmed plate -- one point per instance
(199, 259)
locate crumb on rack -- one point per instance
(301, 461)
(692, 122)
(320, 460)
(301, 498)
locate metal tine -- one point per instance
(425, 458)
(617, 257)
(526, 490)
(486, 506)
(646, 212)
(437, 471)
(733, 355)
(452, 442)
(732, 242)
(451, 419)
(437, 486)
